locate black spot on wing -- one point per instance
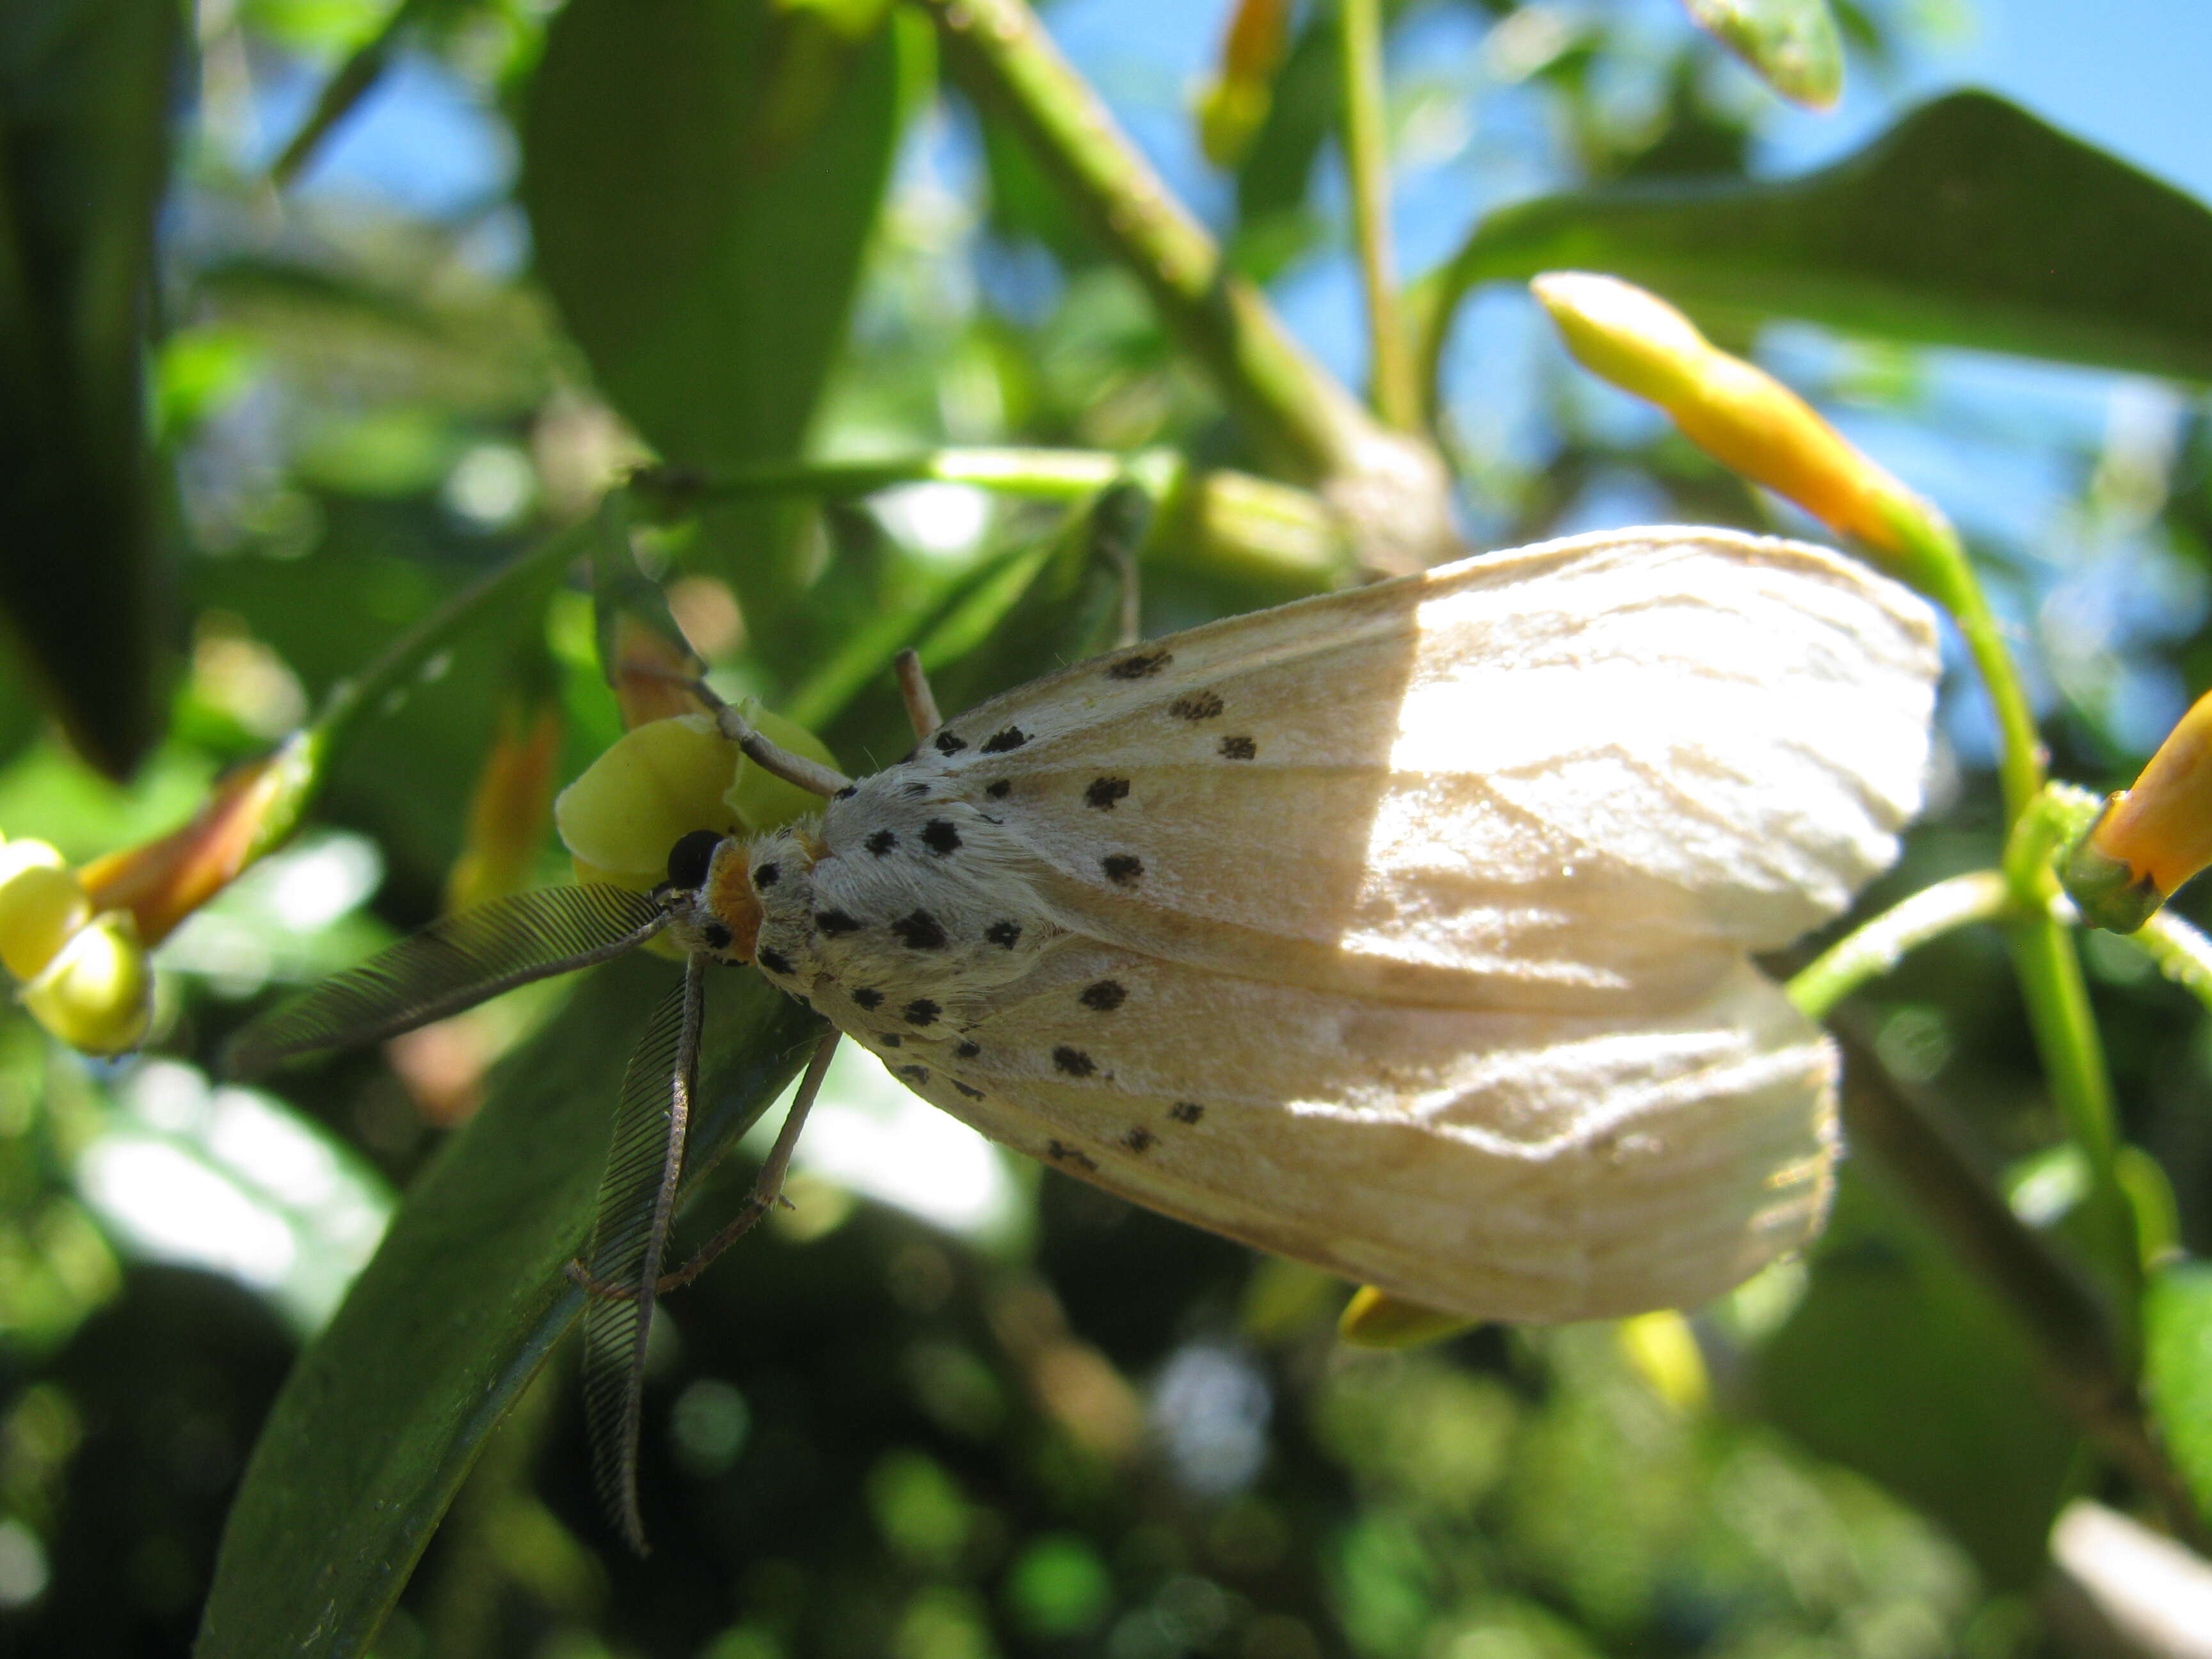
(775, 961)
(921, 1011)
(1140, 1139)
(967, 1050)
(1186, 1111)
(847, 792)
(917, 791)
(919, 930)
(1105, 995)
(1142, 666)
(881, 843)
(998, 791)
(1122, 869)
(716, 935)
(1060, 1152)
(916, 1075)
(972, 1094)
(949, 742)
(891, 1039)
(999, 743)
(836, 921)
(1004, 934)
(1238, 748)
(1104, 792)
(867, 997)
(1196, 706)
(1074, 1061)
(939, 837)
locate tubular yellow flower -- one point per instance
(1738, 414)
(1375, 1319)
(97, 993)
(42, 902)
(2150, 839)
(1234, 105)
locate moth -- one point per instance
(1405, 931)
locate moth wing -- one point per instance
(1500, 1163)
(1433, 787)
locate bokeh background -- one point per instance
(951, 1406)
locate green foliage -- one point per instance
(1793, 44)
(2177, 1368)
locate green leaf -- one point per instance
(1969, 223)
(1899, 1365)
(85, 93)
(2176, 1313)
(1793, 45)
(384, 1414)
(701, 178)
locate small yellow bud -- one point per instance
(1375, 1319)
(2152, 838)
(1737, 413)
(97, 993)
(666, 778)
(42, 902)
(1664, 1351)
(656, 784)
(1234, 105)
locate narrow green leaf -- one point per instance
(385, 1411)
(86, 87)
(1899, 1365)
(2177, 1313)
(1793, 45)
(1969, 223)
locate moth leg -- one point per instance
(914, 690)
(768, 1188)
(771, 758)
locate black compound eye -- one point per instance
(689, 859)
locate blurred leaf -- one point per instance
(1792, 43)
(1969, 223)
(1026, 615)
(2177, 1369)
(85, 93)
(1899, 1366)
(384, 1414)
(701, 178)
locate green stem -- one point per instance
(1044, 474)
(1873, 949)
(2183, 953)
(1295, 408)
(1395, 393)
(2050, 968)
(345, 90)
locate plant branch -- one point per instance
(2065, 1321)
(1392, 386)
(1871, 951)
(1391, 487)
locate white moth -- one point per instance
(1404, 931)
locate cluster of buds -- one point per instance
(82, 970)
(2150, 839)
(1740, 415)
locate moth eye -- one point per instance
(689, 859)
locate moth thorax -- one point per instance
(729, 897)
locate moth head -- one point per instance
(710, 882)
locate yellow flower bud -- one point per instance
(1375, 1319)
(97, 993)
(666, 778)
(1234, 105)
(163, 881)
(42, 902)
(2152, 838)
(1738, 414)
(656, 785)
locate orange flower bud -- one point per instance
(1234, 105)
(506, 817)
(2152, 838)
(1738, 414)
(1375, 1319)
(164, 881)
(97, 993)
(647, 670)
